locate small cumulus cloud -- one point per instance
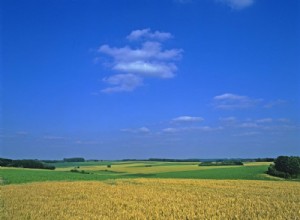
(187, 119)
(232, 101)
(148, 34)
(133, 64)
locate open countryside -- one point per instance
(147, 190)
(149, 110)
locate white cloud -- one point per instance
(233, 101)
(143, 130)
(264, 120)
(237, 4)
(149, 50)
(136, 64)
(148, 34)
(160, 70)
(170, 130)
(187, 119)
(122, 82)
(191, 128)
(248, 125)
(208, 128)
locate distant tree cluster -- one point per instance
(173, 160)
(51, 161)
(222, 163)
(74, 159)
(34, 164)
(267, 159)
(285, 167)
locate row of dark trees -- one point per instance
(34, 164)
(285, 167)
(71, 159)
(223, 163)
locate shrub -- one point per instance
(74, 170)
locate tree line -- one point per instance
(34, 164)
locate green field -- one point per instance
(135, 169)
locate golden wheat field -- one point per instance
(152, 199)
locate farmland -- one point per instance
(152, 199)
(147, 190)
(100, 171)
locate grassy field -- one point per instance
(100, 171)
(152, 199)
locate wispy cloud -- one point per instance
(22, 133)
(264, 120)
(277, 102)
(170, 130)
(230, 119)
(237, 4)
(249, 125)
(122, 82)
(191, 128)
(85, 142)
(143, 130)
(148, 34)
(48, 137)
(233, 101)
(249, 133)
(132, 65)
(187, 119)
(233, 4)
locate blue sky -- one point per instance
(150, 78)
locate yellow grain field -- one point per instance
(152, 199)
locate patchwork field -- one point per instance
(152, 199)
(147, 190)
(100, 171)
